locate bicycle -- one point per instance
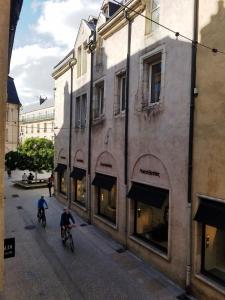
(42, 217)
(67, 236)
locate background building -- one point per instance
(12, 117)
(9, 14)
(37, 120)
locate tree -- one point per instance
(39, 154)
(35, 154)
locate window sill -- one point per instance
(99, 120)
(74, 203)
(149, 247)
(107, 222)
(210, 282)
(79, 128)
(120, 115)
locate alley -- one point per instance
(44, 269)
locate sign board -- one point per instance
(9, 247)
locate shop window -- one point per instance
(80, 191)
(152, 13)
(62, 183)
(151, 209)
(106, 196)
(121, 94)
(211, 216)
(107, 203)
(98, 103)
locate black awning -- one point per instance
(148, 194)
(104, 181)
(78, 173)
(60, 168)
(211, 213)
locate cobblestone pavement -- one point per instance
(44, 269)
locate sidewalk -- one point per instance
(99, 269)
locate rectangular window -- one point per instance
(152, 77)
(152, 13)
(52, 126)
(211, 215)
(38, 128)
(62, 183)
(98, 104)
(79, 61)
(80, 191)
(45, 127)
(107, 203)
(6, 135)
(26, 129)
(32, 128)
(80, 113)
(121, 96)
(84, 61)
(151, 209)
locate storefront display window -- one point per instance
(211, 217)
(151, 210)
(80, 191)
(106, 196)
(62, 183)
(107, 203)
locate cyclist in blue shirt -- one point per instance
(41, 205)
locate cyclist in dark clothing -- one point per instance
(65, 220)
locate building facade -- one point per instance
(208, 195)
(9, 15)
(37, 120)
(12, 117)
(116, 163)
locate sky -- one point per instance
(45, 33)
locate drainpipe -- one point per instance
(127, 123)
(72, 63)
(91, 48)
(190, 153)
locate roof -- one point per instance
(12, 96)
(37, 106)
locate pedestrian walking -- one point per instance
(49, 185)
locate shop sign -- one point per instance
(150, 172)
(106, 165)
(80, 160)
(9, 247)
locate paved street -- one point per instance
(44, 269)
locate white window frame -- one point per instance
(151, 13)
(150, 102)
(81, 111)
(100, 85)
(145, 60)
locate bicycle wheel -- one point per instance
(43, 220)
(71, 243)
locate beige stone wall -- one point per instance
(12, 127)
(4, 34)
(209, 132)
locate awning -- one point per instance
(148, 194)
(211, 213)
(60, 168)
(78, 173)
(104, 181)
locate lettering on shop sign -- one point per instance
(62, 157)
(106, 165)
(80, 160)
(150, 172)
(9, 247)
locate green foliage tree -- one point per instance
(39, 154)
(35, 154)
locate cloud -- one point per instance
(53, 36)
(60, 19)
